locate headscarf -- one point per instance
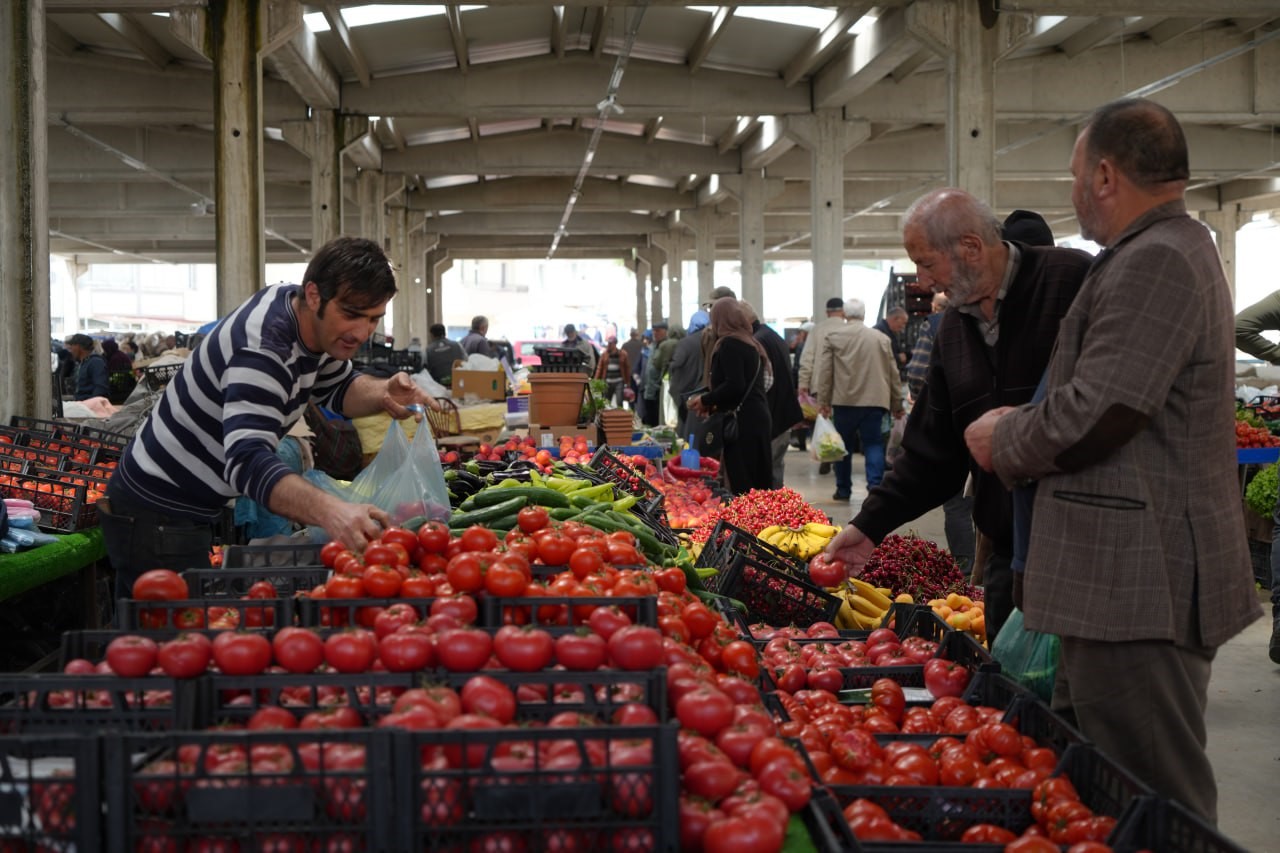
(729, 320)
(699, 320)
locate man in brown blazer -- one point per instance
(1137, 557)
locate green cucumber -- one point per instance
(414, 523)
(484, 515)
(564, 513)
(534, 495)
(648, 543)
(503, 524)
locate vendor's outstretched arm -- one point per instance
(350, 523)
(368, 396)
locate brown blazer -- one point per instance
(1137, 532)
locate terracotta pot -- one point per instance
(617, 426)
(556, 398)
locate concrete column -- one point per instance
(414, 286)
(828, 137)
(674, 243)
(372, 223)
(235, 37)
(1225, 224)
(751, 235)
(639, 266)
(26, 380)
(322, 138)
(971, 111)
(438, 263)
(705, 224)
(655, 258)
(398, 251)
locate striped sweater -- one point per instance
(214, 433)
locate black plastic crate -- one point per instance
(99, 472)
(281, 556)
(775, 597)
(91, 644)
(1153, 823)
(607, 788)
(53, 702)
(727, 542)
(1103, 785)
(220, 583)
(43, 426)
(227, 699)
(559, 360)
(157, 376)
(563, 614)
(102, 437)
(64, 508)
(16, 443)
(828, 829)
(135, 615)
(609, 468)
(50, 792)
(405, 360)
(307, 788)
(339, 612)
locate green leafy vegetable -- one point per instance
(1260, 495)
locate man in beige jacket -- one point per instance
(856, 383)
(806, 380)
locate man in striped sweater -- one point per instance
(214, 433)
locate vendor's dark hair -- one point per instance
(437, 330)
(355, 267)
(1142, 138)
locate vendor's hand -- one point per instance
(694, 405)
(853, 547)
(355, 525)
(825, 411)
(978, 436)
(402, 392)
(900, 414)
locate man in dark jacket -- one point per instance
(991, 349)
(685, 369)
(441, 354)
(784, 406)
(91, 368)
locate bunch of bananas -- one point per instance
(802, 542)
(862, 606)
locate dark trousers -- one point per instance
(651, 411)
(139, 539)
(1142, 703)
(997, 588)
(957, 515)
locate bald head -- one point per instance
(943, 216)
(1143, 139)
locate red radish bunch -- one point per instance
(760, 508)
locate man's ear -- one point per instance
(1105, 178)
(311, 295)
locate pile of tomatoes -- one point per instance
(1254, 436)
(165, 585)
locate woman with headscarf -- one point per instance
(116, 358)
(740, 374)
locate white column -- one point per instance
(26, 380)
(398, 251)
(705, 224)
(638, 265)
(751, 235)
(1225, 223)
(971, 111)
(370, 189)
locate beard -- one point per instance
(965, 280)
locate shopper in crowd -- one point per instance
(475, 341)
(800, 432)
(573, 340)
(708, 334)
(633, 347)
(91, 368)
(812, 347)
(116, 360)
(441, 354)
(655, 371)
(1137, 518)
(856, 385)
(1250, 323)
(784, 407)
(686, 370)
(992, 345)
(615, 369)
(740, 376)
(892, 325)
(130, 349)
(213, 435)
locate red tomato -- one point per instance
(350, 651)
(585, 561)
(581, 652)
(399, 536)
(523, 649)
(532, 518)
(238, 653)
(382, 553)
(131, 656)
(406, 651)
(789, 783)
(463, 649)
(347, 563)
(329, 551)
(185, 656)
(623, 553)
(434, 537)
(418, 585)
(887, 695)
(671, 580)
(381, 580)
(504, 578)
(1032, 844)
(479, 538)
(298, 649)
(945, 678)
(607, 620)
(706, 710)
(485, 695)
(827, 572)
(695, 816)
(747, 833)
(555, 549)
(636, 647)
(740, 657)
(460, 607)
(466, 571)
(160, 585)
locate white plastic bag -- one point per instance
(826, 444)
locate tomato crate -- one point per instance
(823, 820)
(228, 699)
(50, 792)
(733, 542)
(99, 472)
(460, 791)
(337, 612)
(1153, 823)
(562, 614)
(233, 583)
(91, 644)
(607, 466)
(775, 597)
(302, 790)
(53, 702)
(64, 508)
(135, 615)
(95, 486)
(114, 441)
(15, 444)
(598, 693)
(44, 427)
(72, 446)
(282, 556)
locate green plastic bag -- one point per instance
(1028, 657)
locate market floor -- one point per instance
(1244, 692)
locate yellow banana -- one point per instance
(769, 532)
(847, 617)
(865, 607)
(824, 530)
(866, 623)
(870, 593)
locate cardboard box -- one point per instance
(485, 384)
(553, 432)
(518, 404)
